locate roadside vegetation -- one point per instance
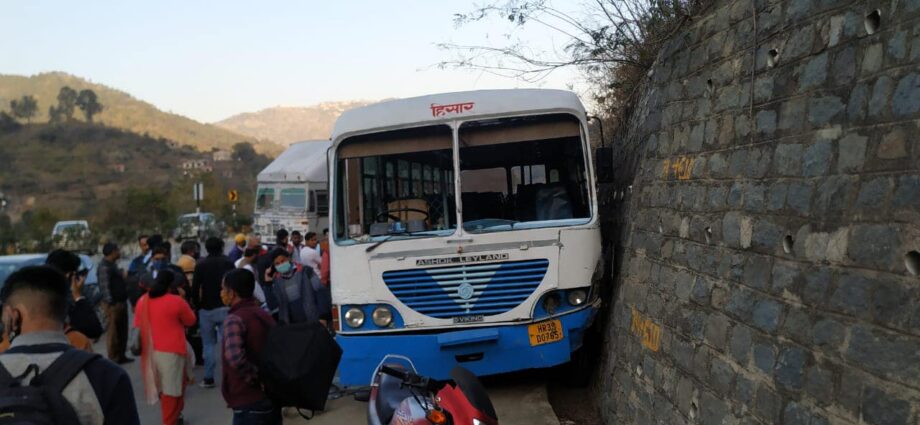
(121, 182)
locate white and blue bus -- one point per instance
(464, 231)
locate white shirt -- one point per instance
(257, 292)
(310, 257)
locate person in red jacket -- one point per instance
(245, 331)
(162, 318)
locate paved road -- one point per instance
(517, 401)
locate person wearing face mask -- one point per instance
(294, 288)
(97, 391)
(115, 296)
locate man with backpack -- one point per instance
(245, 332)
(42, 378)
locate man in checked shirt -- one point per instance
(245, 331)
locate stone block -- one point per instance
(892, 303)
(814, 73)
(740, 304)
(766, 235)
(763, 89)
(874, 246)
(859, 102)
(819, 383)
(881, 92)
(904, 102)
(740, 344)
(893, 145)
(907, 194)
(823, 110)
(872, 59)
(764, 357)
(701, 291)
(852, 153)
(731, 229)
(722, 377)
(766, 314)
(787, 159)
(754, 195)
(844, 66)
(817, 159)
(792, 114)
(716, 331)
(738, 162)
(816, 284)
(797, 325)
(776, 196)
(897, 45)
(718, 167)
(713, 410)
(894, 356)
(716, 197)
(757, 272)
(797, 414)
(789, 372)
(873, 193)
(851, 295)
(767, 404)
(799, 196)
(828, 334)
(880, 407)
(766, 122)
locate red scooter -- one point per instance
(400, 396)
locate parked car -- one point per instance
(197, 226)
(11, 263)
(73, 235)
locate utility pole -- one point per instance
(198, 193)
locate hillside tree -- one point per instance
(89, 104)
(67, 102)
(24, 107)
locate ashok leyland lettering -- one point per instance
(464, 231)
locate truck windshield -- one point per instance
(265, 197)
(522, 173)
(294, 198)
(396, 184)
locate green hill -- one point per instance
(125, 112)
(120, 181)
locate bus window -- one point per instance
(394, 183)
(503, 172)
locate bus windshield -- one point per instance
(522, 172)
(294, 198)
(265, 197)
(396, 184)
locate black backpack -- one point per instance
(41, 402)
(297, 364)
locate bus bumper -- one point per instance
(484, 351)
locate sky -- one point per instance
(209, 60)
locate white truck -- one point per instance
(292, 192)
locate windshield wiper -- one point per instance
(390, 236)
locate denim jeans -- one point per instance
(261, 413)
(211, 323)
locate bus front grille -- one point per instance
(468, 289)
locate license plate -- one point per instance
(545, 332)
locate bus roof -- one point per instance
(301, 162)
(445, 107)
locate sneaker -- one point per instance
(207, 383)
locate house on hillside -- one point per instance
(221, 155)
(195, 166)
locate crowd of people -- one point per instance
(198, 310)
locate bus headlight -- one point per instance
(551, 303)
(354, 317)
(577, 297)
(382, 316)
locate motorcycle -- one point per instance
(400, 396)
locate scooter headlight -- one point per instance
(577, 297)
(354, 317)
(382, 316)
